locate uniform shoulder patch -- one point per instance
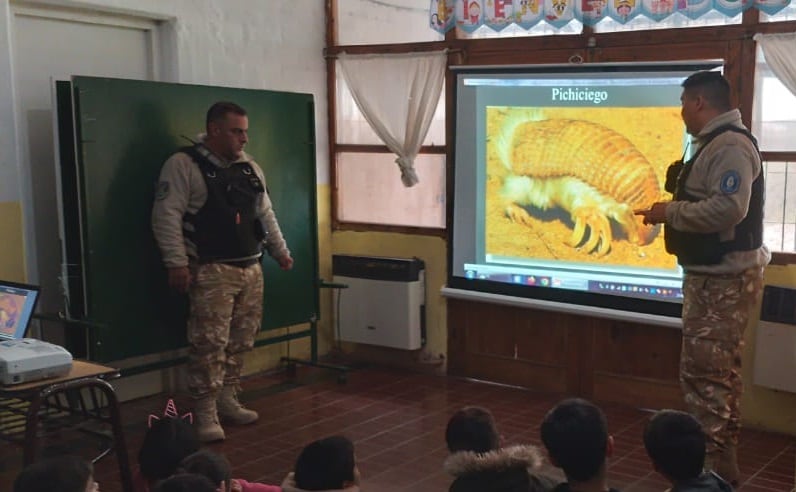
(730, 182)
(162, 190)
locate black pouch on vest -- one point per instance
(672, 173)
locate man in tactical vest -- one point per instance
(714, 225)
(212, 218)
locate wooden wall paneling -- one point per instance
(539, 337)
(638, 392)
(637, 364)
(507, 345)
(661, 52)
(525, 56)
(633, 350)
(457, 328)
(588, 357)
(491, 332)
(579, 331)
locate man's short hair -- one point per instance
(63, 473)
(208, 464)
(712, 86)
(675, 442)
(186, 482)
(220, 110)
(472, 429)
(325, 464)
(575, 434)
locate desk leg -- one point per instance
(31, 445)
(118, 436)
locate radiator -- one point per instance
(384, 303)
(775, 344)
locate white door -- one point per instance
(54, 44)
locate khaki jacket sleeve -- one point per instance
(724, 205)
(275, 243)
(171, 202)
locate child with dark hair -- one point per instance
(216, 467)
(479, 463)
(575, 433)
(675, 442)
(208, 464)
(326, 464)
(186, 482)
(166, 443)
(61, 474)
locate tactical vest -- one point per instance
(226, 227)
(694, 248)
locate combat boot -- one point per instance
(726, 465)
(206, 420)
(230, 409)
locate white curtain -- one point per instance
(780, 53)
(397, 94)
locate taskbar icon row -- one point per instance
(533, 280)
(636, 289)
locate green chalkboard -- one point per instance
(124, 130)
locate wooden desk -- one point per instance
(30, 411)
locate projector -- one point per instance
(27, 359)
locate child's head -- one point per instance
(326, 464)
(186, 482)
(166, 443)
(209, 464)
(64, 474)
(675, 443)
(472, 429)
(575, 434)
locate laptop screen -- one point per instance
(17, 302)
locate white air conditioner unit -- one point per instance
(384, 303)
(775, 344)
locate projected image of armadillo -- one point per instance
(563, 183)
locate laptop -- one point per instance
(17, 302)
(23, 360)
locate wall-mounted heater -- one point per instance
(775, 344)
(384, 303)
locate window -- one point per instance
(774, 119)
(369, 187)
(774, 124)
(675, 20)
(383, 22)
(352, 128)
(786, 14)
(513, 30)
(779, 232)
(370, 190)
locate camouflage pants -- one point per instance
(715, 313)
(226, 307)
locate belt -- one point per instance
(242, 263)
(235, 263)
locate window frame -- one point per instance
(337, 148)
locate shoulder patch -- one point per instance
(730, 182)
(162, 190)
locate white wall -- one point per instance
(254, 44)
(9, 174)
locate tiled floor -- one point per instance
(397, 422)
